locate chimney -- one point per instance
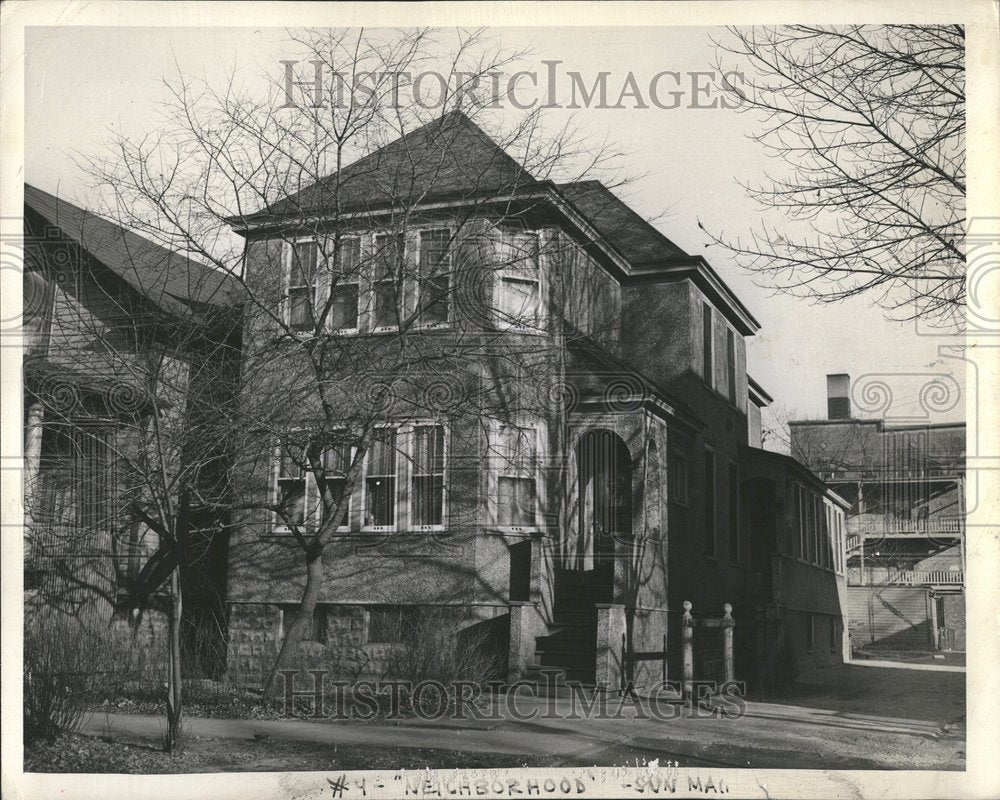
(838, 396)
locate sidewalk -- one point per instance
(843, 726)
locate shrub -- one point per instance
(434, 644)
(70, 665)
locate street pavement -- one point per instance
(850, 717)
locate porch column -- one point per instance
(610, 629)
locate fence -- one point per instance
(711, 650)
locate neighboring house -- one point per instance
(583, 487)
(103, 313)
(905, 527)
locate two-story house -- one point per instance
(543, 414)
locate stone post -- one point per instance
(610, 629)
(727, 643)
(687, 638)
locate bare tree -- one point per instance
(344, 328)
(119, 373)
(867, 123)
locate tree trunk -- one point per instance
(174, 710)
(295, 632)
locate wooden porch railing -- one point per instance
(884, 576)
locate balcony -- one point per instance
(879, 525)
(883, 576)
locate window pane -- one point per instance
(386, 308)
(388, 254)
(516, 501)
(381, 493)
(731, 365)
(300, 308)
(348, 255)
(337, 459)
(344, 308)
(434, 256)
(428, 449)
(434, 299)
(428, 499)
(292, 497)
(303, 264)
(380, 483)
(519, 301)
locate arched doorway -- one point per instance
(602, 515)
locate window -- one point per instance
(380, 480)
(810, 632)
(517, 476)
(344, 285)
(834, 637)
(391, 624)
(817, 529)
(434, 289)
(315, 631)
(389, 251)
(731, 365)
(803, 524)
(734, 513)
(706, 344)
(678, 478)
(301, 285)
(428, 476)
(296, 490)
(336, 463)
(519, 282)
(709, 490)
(291, 494)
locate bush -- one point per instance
(70, 665)
(434, 644)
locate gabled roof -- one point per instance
(448, 157)
(164, 277)
(632, 235)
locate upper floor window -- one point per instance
(302, 285)
(803, 549)
(731, 365)
(344, 285)
(734, 513)
(434, 285)
(387, 280)
(516, 476)
(519, 285)
(706, 344)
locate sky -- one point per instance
(82, 81)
